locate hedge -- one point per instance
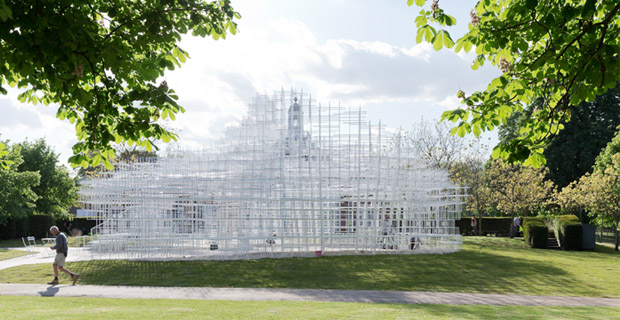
(497, 225)
(38, 226)
(535, 232)
(14, 228)
(568, 230)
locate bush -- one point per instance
(498, 225)
(568, 230)
(14, 228)
(535, 232)
(39, 225)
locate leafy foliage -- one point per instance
(56, 191)
(17, 197)
(601, 195)
(101, 61)
(561, 51)
(518, 189)
(572, 152)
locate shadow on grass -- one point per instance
(465, 271)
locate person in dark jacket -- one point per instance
(62, 248)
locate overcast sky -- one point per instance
(352, 52)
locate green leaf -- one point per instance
(461, 131)
(429, 34)
(421, 21)
(447, 40)
(476, 130)
(419, 3)
(419, 36)
(450, 20)
(438, 41)
(467, 45)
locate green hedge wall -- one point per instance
(14, 228)
(535, 232)
(568, 230)
(39, 225)
(497, 225)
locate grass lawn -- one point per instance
(485, 265)
(6, 254)
(18, 242)
(87, 308)
(11, 243)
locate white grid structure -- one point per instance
(293, 179)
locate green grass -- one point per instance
(485, 265)
(86, 308)
(11, 243)
(6, 254)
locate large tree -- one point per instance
(573, 151)
(102, 61)
(432, 141)
(17, 197)
(472, 173)
(56, 191)
(516, 189)
(561, 51)
(601, 194)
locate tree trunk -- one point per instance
(616, 235)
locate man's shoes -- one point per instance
(75, 278)
(53, 282)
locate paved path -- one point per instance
(363, 296)
(200, 293)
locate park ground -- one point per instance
(485, 265)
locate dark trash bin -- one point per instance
(589, 237)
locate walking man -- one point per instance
(61, 247)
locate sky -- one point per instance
(359, 53)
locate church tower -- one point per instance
(295, 123)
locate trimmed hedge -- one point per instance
(14, 228)
(568, 230)
(497, 225)
(535, 232)
(39, 225)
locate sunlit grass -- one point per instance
(6, 254)
(87, 308)
(485, 265)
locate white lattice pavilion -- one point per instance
(293, 179)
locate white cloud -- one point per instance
(274, 51)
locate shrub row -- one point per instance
(38, 226)
(497, 225)
(535, 232)
(568, 230)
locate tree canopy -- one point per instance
(17, 198)
(572, 152)
(56, 191)
(34, 183)
(102, 63)
(516, 189)
(561, 51)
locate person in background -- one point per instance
(514, 230)
(474, 224)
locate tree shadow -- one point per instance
(465, 271)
